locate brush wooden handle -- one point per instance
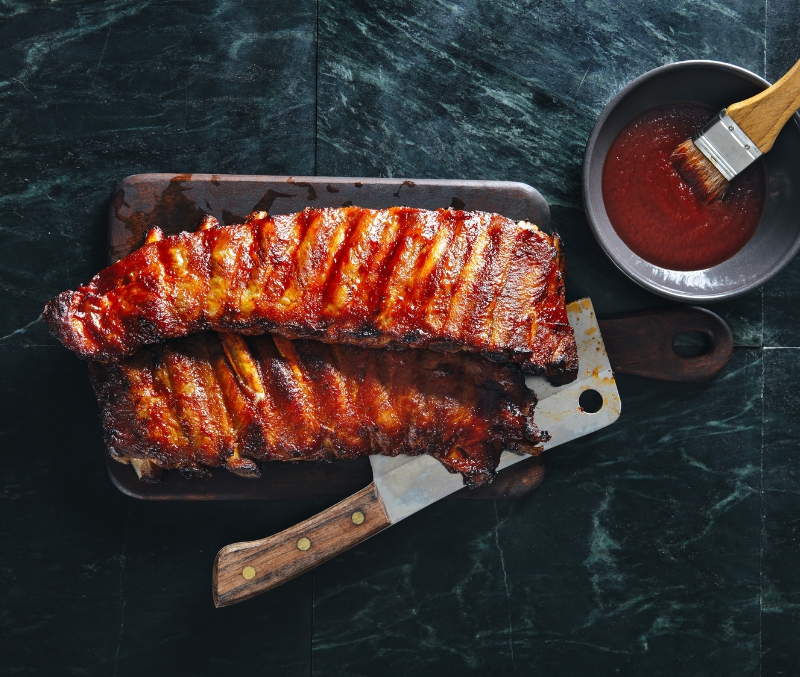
(763, 116)
(244, 570)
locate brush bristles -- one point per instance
(699, 172)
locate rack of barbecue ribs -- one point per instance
(448, 280)
(258, 388)
(213, 400)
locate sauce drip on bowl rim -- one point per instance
(655, 213)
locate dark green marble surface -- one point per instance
(666, 544)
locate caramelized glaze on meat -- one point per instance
(400, 277)
(213, 400)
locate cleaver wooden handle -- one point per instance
(641, 343)
(243, 570)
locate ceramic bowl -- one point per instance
(777, 239)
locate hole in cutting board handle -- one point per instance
(590, 401)
(693, 344)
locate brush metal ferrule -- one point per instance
(728, 148)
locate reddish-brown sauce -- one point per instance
(655, 213)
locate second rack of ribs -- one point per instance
(399, 277)
(213, 400)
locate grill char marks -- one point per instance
(449, 280)
(222, 400)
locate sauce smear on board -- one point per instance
(656, 214)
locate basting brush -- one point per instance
(736, 137)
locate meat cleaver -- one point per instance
(639, 343)
(402, 485)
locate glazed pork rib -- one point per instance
(213, 400)
(399, 277)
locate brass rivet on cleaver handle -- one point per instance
(276, 558)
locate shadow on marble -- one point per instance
(782, 308)
(781, 296)
(781, 513)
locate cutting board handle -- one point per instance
(244, 570)
(641, 343)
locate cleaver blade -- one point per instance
(407, 484)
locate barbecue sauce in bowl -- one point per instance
(656, 214)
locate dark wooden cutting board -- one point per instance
(177, 202)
